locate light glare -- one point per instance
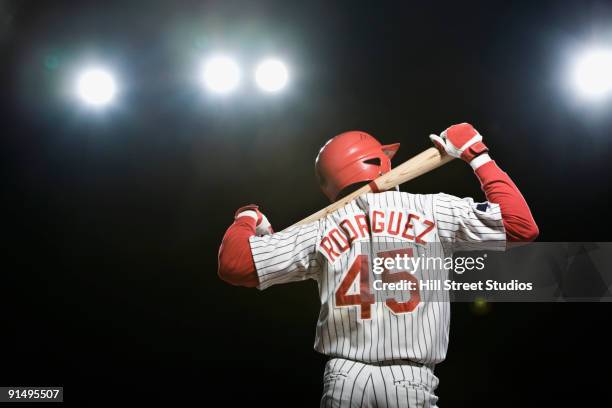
(96, 87)
(271, 75)
(593, 73)
(221, 74)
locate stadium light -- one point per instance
(96, 87)
(271, 75)
(221, 74)
(592, 73)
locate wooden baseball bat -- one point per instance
(420, 164)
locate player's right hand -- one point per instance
(262, 226)
(461, 141)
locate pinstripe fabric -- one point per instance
(286, 256)
(460, 223)
(398, 384)
(316, 251)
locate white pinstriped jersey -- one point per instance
(351, 324)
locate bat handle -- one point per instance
(420, 164)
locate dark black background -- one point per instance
(113, 218)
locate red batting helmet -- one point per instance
(349, 158)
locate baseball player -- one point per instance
(381, 353)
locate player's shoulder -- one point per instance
(444, 199)
(387, 199)
(400, 199)
(450, 204)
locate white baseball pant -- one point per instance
(399, 383)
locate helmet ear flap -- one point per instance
(390, 150)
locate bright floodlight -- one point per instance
(593, 73)
(221, 74)
(271, 75)
(96, 87)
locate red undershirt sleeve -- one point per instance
(236, 264)
(500, 189)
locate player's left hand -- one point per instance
(262, 226)
(461, 141)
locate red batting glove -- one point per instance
(262, 225)
(461, 141)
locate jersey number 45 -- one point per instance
(364, 298)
